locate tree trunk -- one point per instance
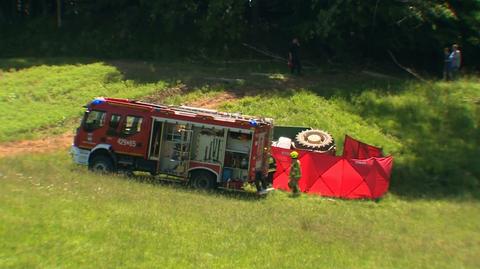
(19, 8)
(44, 8)
(59, 13)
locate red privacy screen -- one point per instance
(361, 173)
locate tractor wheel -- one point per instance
(101, 164)
(316, 140)
(203, 180)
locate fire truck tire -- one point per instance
(203, 180)
(102, 164)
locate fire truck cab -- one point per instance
(203, 147)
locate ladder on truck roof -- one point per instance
(187, 109)
(202, 111)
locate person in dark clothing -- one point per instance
(455, 62)
(294, 57)
(272, 168)
(262, 180)
(260, 183)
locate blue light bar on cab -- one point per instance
(98, 101)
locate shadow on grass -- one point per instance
(242, 78)
(440, 140)
(246, 79)
(23, 63)
(184, 187)
(440, 150)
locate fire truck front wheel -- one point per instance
(102, 164)
(203, 180)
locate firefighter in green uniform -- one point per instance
(295, 174)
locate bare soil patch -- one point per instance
(159, 96)
(215, 101)
(48, 144)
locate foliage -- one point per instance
(415, 30)
(55, 214)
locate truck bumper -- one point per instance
(80, 156)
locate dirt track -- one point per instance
(48, 144)
(214, 102)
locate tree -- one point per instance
(59, 13)
(415, 30)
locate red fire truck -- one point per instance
(203, 147)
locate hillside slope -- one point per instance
(431, 128)
(54, 213)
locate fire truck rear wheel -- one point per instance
(102, 164)
(203, 180)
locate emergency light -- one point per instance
(98, 101)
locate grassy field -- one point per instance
(55, 214)
(49, 95)
(432, 129)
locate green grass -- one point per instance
(438, 124)
(305, 108)
(55, 214)
(35, 98)
(432, 129)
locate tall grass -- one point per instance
(47, 96)
(438, 124)
(305, 108)
(55, 214)
(432, 129)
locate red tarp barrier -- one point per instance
(355, 149)
(338, 176)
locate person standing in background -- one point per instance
(455, 61)
(294, 57)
